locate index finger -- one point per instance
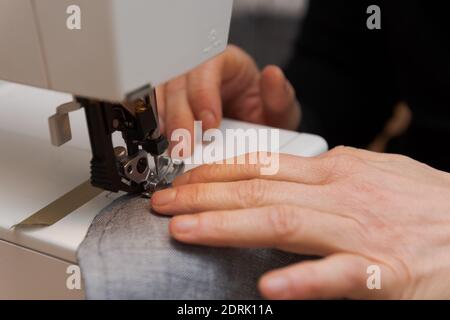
(303, 170)
(209, 84)
(289, 228)
(178, 114)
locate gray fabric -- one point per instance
(128, 254)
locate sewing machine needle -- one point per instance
(155, 159)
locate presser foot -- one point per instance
(161, 177)
(137, 170)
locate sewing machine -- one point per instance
(104, 57)
(110, 55)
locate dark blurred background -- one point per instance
(267, 29)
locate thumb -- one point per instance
(335, 277)
(281, 108)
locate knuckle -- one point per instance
(202, 173)
(341, 150)
(314, 286)
(232, 52)
(193, 176)
(347, 163)
(209, 173)
(399, 157)
(311, 287)
(354, 274)
(176, 86)
(194, 196)
(284, 221)
(251, 193)
(198, 95)
(342, 165)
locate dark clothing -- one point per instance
(349, 78)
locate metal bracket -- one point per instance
(59, 124)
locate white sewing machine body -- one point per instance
(110, 55)
(119, 47)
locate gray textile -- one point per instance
(128, 254)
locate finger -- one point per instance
(240, 86)
(288, 228)
(335, 277)
(238, 195)
(178, 114)
(280, 104)
(291, 169)
(204, 90)
(223, 78)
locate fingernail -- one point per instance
(182, 180)
(164, 197)
(276, 285)
(184, 224)
(208, 119)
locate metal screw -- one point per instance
(120, 153)
(140, 107)
(130, 169)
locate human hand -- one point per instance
(351, 207)
(229, 85)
